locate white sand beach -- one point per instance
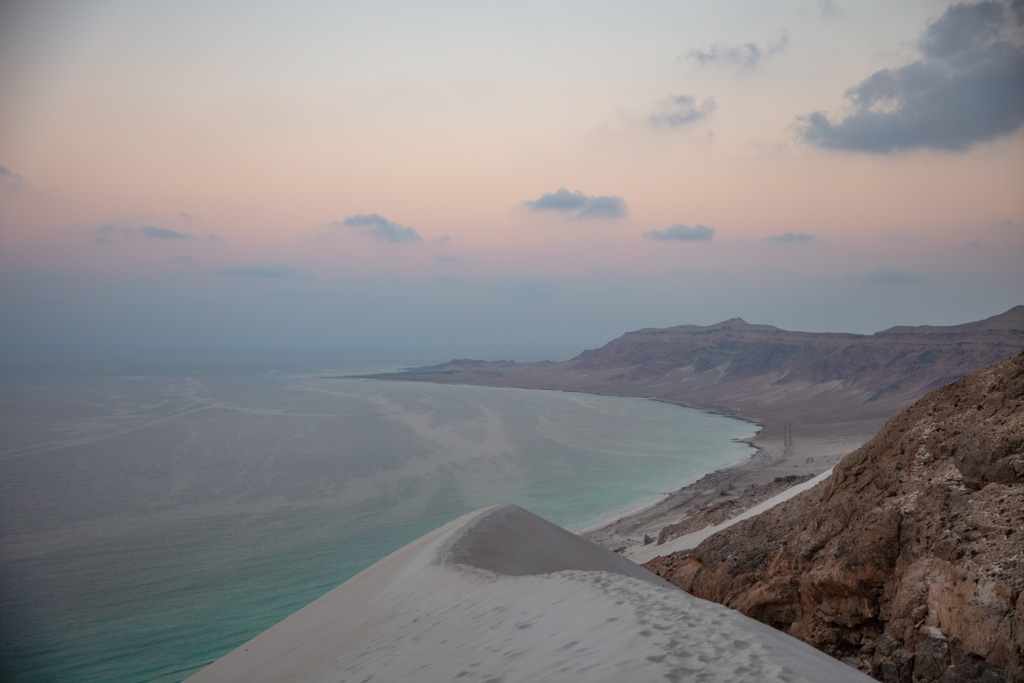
(645, 553)
(501, 594)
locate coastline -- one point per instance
(787, 452)
(784, 457)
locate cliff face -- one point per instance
(762, 372)
(900, 363)
(909, 561)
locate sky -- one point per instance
(427, 180)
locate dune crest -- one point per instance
(501, 594)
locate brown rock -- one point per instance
(761, 372)
(909, 561)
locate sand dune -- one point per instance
(501, 594)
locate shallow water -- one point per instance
(152, 523)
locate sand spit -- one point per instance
(645, 553)
(728, 493)
(501, 594)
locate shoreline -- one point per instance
(786, 453)
(784, 457)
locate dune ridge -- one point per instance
(501, 594)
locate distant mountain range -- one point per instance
(761, 372)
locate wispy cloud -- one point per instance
(965, 89)
(377, 226)
(109, 234)
(681, 110)
(155, 232)
(683, 233)
(747, 57)
(8, 173)
(791, 237)
(584, 206)
(267, 270)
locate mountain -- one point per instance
(909, 561)
(779, 378)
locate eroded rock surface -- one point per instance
(909, 561)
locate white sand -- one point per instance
(645, 553)
(501, 594)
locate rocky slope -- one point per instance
(765, 373)
(909, 562)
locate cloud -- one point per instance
(974, 244)
(154, 232)
(444, 258)
(375, 225)
(965, 89)
(584, 206)
(8, 173)
(747, 56)
(890, 275)
(681, 110)
(791, 237)
(267, 270)
(683, 233)
(108, 234)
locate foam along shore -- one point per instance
(501, 594)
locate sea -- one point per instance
(153, 520)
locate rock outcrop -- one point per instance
(909, 561)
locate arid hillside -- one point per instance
(909, 561)
(759, 372)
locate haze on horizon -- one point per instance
(501, 180)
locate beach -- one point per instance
(785, 457)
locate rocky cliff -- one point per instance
(909, 561)
(762, 372)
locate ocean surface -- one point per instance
(151, 522)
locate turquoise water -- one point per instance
(152, 523)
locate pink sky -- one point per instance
(374, 163)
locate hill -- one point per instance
(763, 373)
(909, 561)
